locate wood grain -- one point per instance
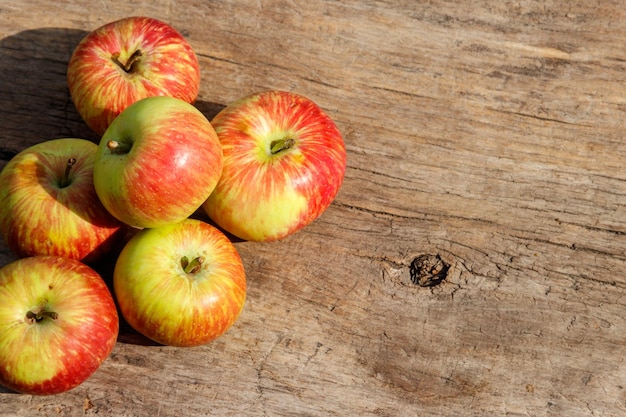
(487, 133)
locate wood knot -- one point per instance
(428, 270)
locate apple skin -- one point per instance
(263, 196)
(168, 162)
(40, 216)
(53, 355)
(162, 301)
(125, 61)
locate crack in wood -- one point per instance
(540, 118)
(425, 216)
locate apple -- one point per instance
(157, 162)
(48, 204)
(125, 61)
(182, 284)
(284, 162)
(58, 324)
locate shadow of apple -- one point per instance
(34, 100)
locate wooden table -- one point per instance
(485, 136)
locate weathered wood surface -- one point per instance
(488, 133)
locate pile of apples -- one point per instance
(263, 168)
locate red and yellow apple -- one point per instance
(284, 162)
(157, 163)
(125, 61)
(48, 204)
(182, 284)
(58, 323)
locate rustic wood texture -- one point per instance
(486, 134)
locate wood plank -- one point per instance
(487, 133)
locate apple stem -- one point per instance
(118, 147)
(65, 181)
(131, 64)
(37, 317)
(280, 145)
(193, 266)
